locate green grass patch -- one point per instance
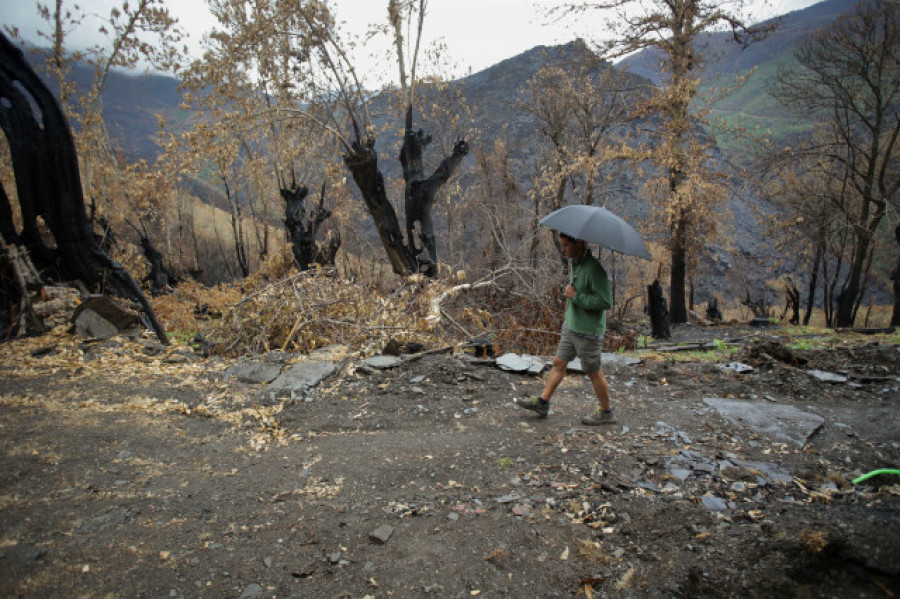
(182, 337)
(720, 352)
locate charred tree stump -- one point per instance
(895, 277)
(712, 310)
(49, 186)
(421, 191)
(759, 307)
(792, 303)
(295, 221)
(659, 312)
(362, 162)
(302, 230)
(161, 277)
(326, 252)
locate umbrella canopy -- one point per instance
(597, 225)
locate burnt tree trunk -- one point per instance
(792, 303)
(7, 227)
(895, 276)
(659, 312)
(302, 230)
(421, 191)
(813, 280)
(362, 162)
(49, 186)
(712, 310)
(677, 278)
(326, 251)
(161, 277)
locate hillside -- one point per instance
(751, 105)
(132, 101)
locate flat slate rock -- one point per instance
(617, 359)
(300, 377)
(105, 308)
(736, 367)
(383, 362)
(254, 372)
(90, 325)
(522, 363)
(382, 534)
(827, 377)
(777, 421)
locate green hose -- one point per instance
(856, 481)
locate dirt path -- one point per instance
(135, 475)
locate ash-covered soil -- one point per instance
(126, 471)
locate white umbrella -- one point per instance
(597, 225)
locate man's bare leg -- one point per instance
(557, 374)
(601, 388)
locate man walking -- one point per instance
(588, 297)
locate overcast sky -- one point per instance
(477, 33)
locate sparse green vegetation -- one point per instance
(181, 336)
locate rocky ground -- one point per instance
(127, 470)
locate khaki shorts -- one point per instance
(586, 348)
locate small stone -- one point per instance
(704, 468)
(736, 367)
(681, 473)
(714, 504)
(381, 534)
(252, 590)
(383, 362)
(827, 377)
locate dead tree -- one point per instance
(759, 306)
(420, 191)
(792, 302)
(49, 188)
(895, 277)
(362, 162)
(161, 277)
(659, 311)
(303, 229)
(712, 310)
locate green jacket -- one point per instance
(586, 312)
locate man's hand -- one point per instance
(569, 292)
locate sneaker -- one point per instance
(535, 404)
(598, 417)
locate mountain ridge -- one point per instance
(132, 101)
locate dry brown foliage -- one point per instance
(279, 308)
